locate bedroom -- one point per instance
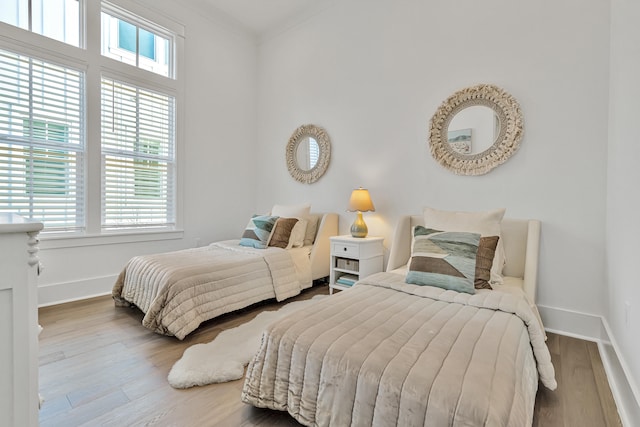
(372, 74)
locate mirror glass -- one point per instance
(307, 153)
(473, 129)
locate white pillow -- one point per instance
(292, 211)
(486, 223)
(300, 229)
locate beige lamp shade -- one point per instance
(359, 202)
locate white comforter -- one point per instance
(386, 353)
(179, 290)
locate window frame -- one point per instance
(150, 26)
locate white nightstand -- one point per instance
(354, 258)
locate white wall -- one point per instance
(372, 72)
(623, 203)
(217, 159)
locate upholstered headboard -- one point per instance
(320, 252)
(521, 239)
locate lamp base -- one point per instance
(359, 228)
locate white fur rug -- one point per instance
(225, 358)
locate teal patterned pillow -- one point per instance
(446, 259)
(258, 231)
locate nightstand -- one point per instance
(352, 259)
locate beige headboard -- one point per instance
(320, 252)
(521, 239)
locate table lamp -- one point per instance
(359, 202)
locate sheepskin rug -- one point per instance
(225, 358)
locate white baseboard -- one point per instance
(625, 390)
(571, 323)
(595, 328)
(59, 293)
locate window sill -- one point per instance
(75, 241)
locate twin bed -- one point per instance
(391, 353)
(179, 290)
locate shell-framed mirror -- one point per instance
(476, 129)
(308, 153)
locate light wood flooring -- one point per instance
(99, 366)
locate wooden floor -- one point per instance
(99, 366)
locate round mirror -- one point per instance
(308, 153)
(475, 130)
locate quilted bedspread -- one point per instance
(386, 353)
(179, 290)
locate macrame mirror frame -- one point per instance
(507, 142)
(322, 138)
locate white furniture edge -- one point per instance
(13, 223)
(20, 329)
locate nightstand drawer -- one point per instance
(346, 250)
(347, 264)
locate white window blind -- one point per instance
(42, 141)
(138, 157)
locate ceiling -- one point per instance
(261, 17)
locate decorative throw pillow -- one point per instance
(258, 231)
(282, 232)
(484, 261)
(486, 223)
(446, 259)
(295, 211)
(312, 229)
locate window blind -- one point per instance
(314, 154)
(138, 157)
(42, 142)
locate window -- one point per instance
(138, 126)
(138, 145)
(119, 174)
(56, 19)
(41, 141)
(128, 39)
